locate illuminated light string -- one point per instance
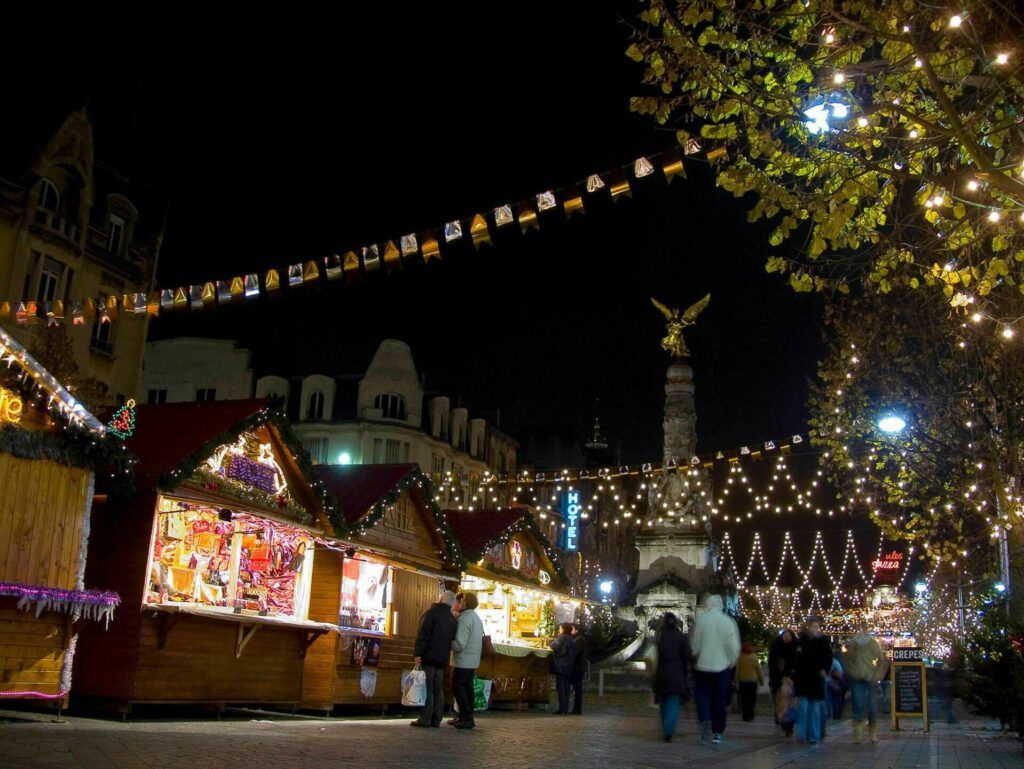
(806, 572)
(391, 254)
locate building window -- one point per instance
(49, 196)
(100, 340)
(206, 393)
(391, 406)
(315, 409)
(391, 451)
(154, 397)
(317, 449)
(50, 273)
(378, 451)
(116, 236)
(438, 464)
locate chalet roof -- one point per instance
(169, 433)
(358, 488)
(476, 529)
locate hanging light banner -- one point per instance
(571, 508)
(531, 213)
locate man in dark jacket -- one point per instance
(813, 663)
(432, 651)
(579, 669)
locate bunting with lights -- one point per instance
(485, 227)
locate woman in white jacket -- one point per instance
(715, 643)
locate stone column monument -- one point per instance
(675, 545)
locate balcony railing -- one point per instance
(56, 224)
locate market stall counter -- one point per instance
(213, 555)
(376, 584)
(523, 595)
(50, 449)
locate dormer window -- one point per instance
(116, 237)
(315, 411)
(49, 196)
(391, 406)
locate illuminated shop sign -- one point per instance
(571, 516)
(11, 406)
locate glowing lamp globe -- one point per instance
(1000, 587)
(606, 586)
(344, 458)
(891, 424)
(920, 587)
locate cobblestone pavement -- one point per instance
(616, 731)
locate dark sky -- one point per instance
(288, 141)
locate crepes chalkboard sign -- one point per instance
(909, 690)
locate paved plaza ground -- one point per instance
(616, 731)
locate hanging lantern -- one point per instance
(595, 183)
(332, 267)
(546, 201)
(392, 256)
(431, 248)
(311, 272)
(252, 286)
(528, 216)
(452, 231)
(294, 275)
(371, 257)
(153, 303)
(573, 200)
(350, 265)
(77, 314)
(208, 295)
(642, 167)
(503, 215)
(196, 296)
(272, 282)
(478, 231)
(409, 244)
(672, 165)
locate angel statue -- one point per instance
(674, 342)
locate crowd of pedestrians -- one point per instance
(808, 680)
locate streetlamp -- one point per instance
(821, 115)
(344, 458)
(892, 424)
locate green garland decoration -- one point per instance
(415, 477)
(526, 523)
(74, 447)
(191, 465)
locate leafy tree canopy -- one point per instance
(883, 139)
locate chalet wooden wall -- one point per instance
(324, 603)
(42, 511)
(32, 649)
(198, 664)
(105, 657)
(42, 507)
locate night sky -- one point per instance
(276, 145)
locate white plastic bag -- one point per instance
(414, 688)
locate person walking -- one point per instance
(865, 667)
(750, 677)
(672, 675)
(813, 663)
(432, 651)
(562, 662)
(781, 664)
(579, 669)
(467, 647)
(715, 643)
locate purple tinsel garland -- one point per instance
(93, 604)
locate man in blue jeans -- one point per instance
(715, 643)
(865, 667)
